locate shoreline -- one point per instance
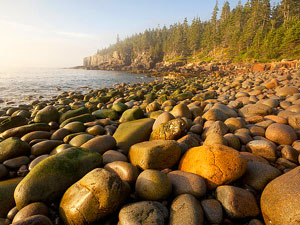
(147, 139)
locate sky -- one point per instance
(60, 33)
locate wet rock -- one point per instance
(237, 202)
(81, 118)
(153, 185)
(11, 122)
(96, 130)
(222, 164)
(73, 113)
(186, 210)
(61, 171)
(144, 212)
(157, 154)
(98, 194)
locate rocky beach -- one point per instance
(217, 147)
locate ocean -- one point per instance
(22, 85)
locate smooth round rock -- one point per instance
(126, 171)
(16, 162)
(3, 171)
(44, 147)
(187, 183)
(181, 110)
(100, 144)
(153, 185)
(75, 127)
(156, 154)
(213, 210)
(144, 212)
(281, 134)
(237, 202)
(36, 135)
(60, 134)
(37, 160)
(186, 210)
(162, 118)
(35, 220)
(218, 164)
(98, 194)
(112, 156)
(11, 214)
(60, 148)
(279, 203)
(285, 91)
(80, 139)
(37, 208)
(95, 130)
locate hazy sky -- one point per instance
(59, 33)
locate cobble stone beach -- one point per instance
(184, 150)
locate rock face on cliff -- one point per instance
(144, 62)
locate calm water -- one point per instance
(17, 84)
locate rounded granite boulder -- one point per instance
(157, 154)
(218, 164)
(98, 194)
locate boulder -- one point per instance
(144, 212)
(48, 180)
(13, 147)
(22, 130)
(100, 144)
(170, 130)
(186, 210)
(157, 154)
(46, 115)
(218, 164)
(130, 133)
(132, 114)
(98, 194)
(281, 134)
(237, 202)
(256, 110)
(279, 200)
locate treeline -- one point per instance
(255, 30)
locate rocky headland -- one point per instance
(216, 148)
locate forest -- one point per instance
(255, 31)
